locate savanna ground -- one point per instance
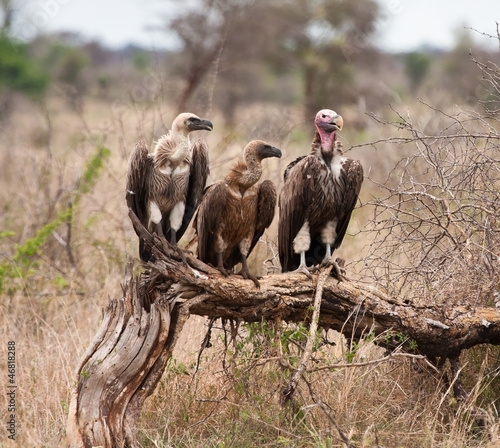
(55, 289)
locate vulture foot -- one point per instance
(338, 270)
(165, 245)
(303, 270)
(223, 271)
(245, 272)
(248, 276)
(182, 256)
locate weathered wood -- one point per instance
(351, 308)
(121, 369)
(131, 349)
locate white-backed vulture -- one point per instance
(234, 212)
(319, 194)
(164, 188)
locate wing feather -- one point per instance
(351, 178)
(266, 206)
(294, 202)
(197, 179)
(208, 219)
(139, 169)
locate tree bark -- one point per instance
(130, 352)
(122, 367)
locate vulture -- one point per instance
(235, 211)
(319, 194)
(164, 188)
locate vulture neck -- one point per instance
(323, 146)
(182, 145)
(173, 148)
(245, 174)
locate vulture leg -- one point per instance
(327, 261)
(220, 265)
(159, 231)
(302, 269)
(337, 265)
(173, 242)
(245, 272)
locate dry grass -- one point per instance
(233, 401)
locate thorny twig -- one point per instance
(289, 390)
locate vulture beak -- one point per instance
(198, 124)
(335, 124)
(270, 151)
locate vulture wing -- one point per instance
(296, 196)
(291, 165)
(266, 205)
(197, 180)
(351, 179)
(139, 168)
(210, 216)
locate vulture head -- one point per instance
(257, 149)
(327, 122)
(247, 172)
(188, 122)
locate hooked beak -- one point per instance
(201, 125)
(335, 124)
(270, 151)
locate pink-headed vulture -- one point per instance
(319, 194)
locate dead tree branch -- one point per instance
(289, 390)
(130, 352)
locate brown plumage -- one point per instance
(165, 187)
(234, 212)
(317, 199)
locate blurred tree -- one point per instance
(18, 73)
(67, 64)
(460, 74)
(417, 66)
(202, 36)
(141, 60)
(317, 39)
(336, 34)
(7, 11)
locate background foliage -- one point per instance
(424, 125)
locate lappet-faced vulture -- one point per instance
(164, 188)
(317, 199)
(234, 212)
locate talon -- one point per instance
(303, 270)
(341, 263)
(223, 271)
(182, 256)
(248, 276)
(327, 262)
(165, 245)
(338, 270)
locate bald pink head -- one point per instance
(327, 122)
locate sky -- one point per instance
(404, 25)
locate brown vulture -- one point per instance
(319, 194)
(234, 212)
(165, 187)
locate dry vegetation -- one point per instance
(233, 400)
(421, 170)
